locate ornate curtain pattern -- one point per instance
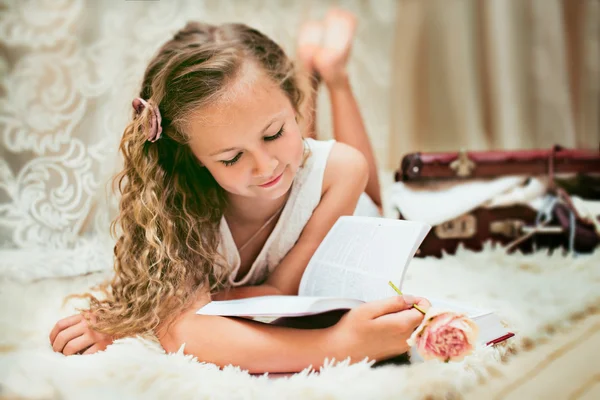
(69, 70)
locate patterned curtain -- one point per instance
(69, 70)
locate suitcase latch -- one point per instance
(510, 228)
(462, 165)
(462, 227)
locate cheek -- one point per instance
(293, 148)
(227, 177)
(299, 154)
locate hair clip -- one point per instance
(139, 105)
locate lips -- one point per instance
(272, 181)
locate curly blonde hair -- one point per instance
(170, 206)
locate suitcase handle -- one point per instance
(513, 228)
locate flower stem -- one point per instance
(416, 307)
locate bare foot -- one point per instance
(331, 59)
(309, 42)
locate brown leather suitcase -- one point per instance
(571, 172)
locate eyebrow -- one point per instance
(261, 132)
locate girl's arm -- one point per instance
(344, 181)
(242, 292)
(377, 330)
(254, 346)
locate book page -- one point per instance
(472, 312)
(490, 326)
(276, 306)
(360, 255)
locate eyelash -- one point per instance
(235, 159)
(232, 161)
(274, 137)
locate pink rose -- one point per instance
(445, 335)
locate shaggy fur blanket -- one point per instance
(535, 295)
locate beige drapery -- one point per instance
(494, 74)
(428, 75)
(68, 72)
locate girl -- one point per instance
(221, 197)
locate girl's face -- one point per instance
(249, 141)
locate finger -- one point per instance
(411, 317)
(66, 335)
(420, 302)
(408, 319)
(64, 324)
(87, 315)
(390, 305)
(423, 303)
(80, 352)
(76, 345)
(92, 349)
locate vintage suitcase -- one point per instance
(556, 223)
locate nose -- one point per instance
(265, 164)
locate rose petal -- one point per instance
(445, 335)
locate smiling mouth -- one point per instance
(272, 181)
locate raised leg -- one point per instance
(309, 42)
(330, 62)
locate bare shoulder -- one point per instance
(347, 167)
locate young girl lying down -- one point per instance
(222, 197)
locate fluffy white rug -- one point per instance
(536, 295)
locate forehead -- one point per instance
(239, 114)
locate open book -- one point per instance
(353, 265)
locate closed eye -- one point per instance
(233, 160)
(266, 139)
(275, 136)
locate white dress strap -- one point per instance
(304, 198)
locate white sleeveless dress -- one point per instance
(304, 198)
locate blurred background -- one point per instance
(430, 75)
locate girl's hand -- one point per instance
(379, 329)
(72, 335)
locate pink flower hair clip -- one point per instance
(139, 105)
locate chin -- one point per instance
(277, 191)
